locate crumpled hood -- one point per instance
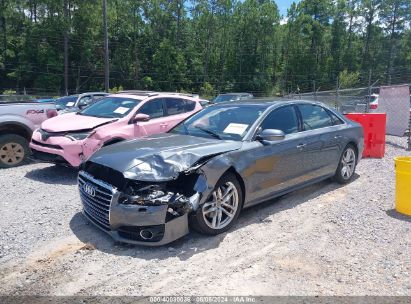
(72, 122)
(160, 157)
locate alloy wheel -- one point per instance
(348, 163)
(11, 153)
(220, 210)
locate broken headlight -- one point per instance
(80, 135)
(149, 195)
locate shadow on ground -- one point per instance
(398, 216)
(54, 175)
(194, 243)
(395, 145)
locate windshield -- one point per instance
(221, 122)
(110, 107)
(65, 102)
(226, 97)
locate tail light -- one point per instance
(51, 113)
(373, 106)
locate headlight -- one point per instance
(79, 136)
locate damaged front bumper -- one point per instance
(152, 224)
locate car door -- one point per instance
(277, 165)
(155, 109)
(176, 111)
(321, 138)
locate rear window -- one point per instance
(314, 117)
(190, 105)
(175, 106)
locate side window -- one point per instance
(284, 119)
(190, 105)
(336, 120)
(314, 117)
(85, 100)
(154, 108)
(175, 106)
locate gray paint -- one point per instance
(266, 169)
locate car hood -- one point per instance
(73, 122)
(161, 157)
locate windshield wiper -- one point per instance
(213, 134)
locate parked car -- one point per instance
(17, 122)
(45, 99)
(359, 104)
(71, 138)
(74, 103)
(231, 97)
(208, 168)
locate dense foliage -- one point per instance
(204, 46)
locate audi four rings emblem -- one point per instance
(89, 189)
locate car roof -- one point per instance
(93, 93)
(267, 102)
(146, 94)
(236, 93)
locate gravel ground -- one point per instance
(325, 239)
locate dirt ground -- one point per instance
(326, 239)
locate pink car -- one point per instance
(73, 138)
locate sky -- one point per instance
(283, 5)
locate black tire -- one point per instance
(197, 220)
(342, 175)
(14, 150)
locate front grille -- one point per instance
(96, 202)
(106, 174)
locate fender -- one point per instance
(21, 121)
(14, 127)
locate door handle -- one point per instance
(337, 136)
(301, 146)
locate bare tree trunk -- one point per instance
(391, 54)
(106, 62)
(366, 54)
(4, 28)
(180, 5)
(66, 46)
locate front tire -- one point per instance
(221, 209)
(14, 150)
(346, 167)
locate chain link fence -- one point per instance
(368, 100)
(356, 100)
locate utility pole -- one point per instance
(367, 106)
(315, 92)
(337, 94)
(66, 22)
(106, 63)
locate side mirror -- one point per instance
(271, 135)
(141, 117)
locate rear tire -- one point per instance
(346, 166)
(14, 150)
(221, 209)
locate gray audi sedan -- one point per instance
(208, 168)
